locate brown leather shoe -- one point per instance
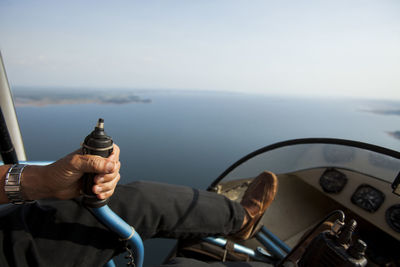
(257, 198)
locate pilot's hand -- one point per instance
(62, 179)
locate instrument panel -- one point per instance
(370, 198)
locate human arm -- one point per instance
(62, 179)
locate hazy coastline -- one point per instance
(44, 97)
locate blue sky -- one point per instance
(328, 48)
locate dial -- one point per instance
(368, 198)
(393, 217)
(332, 181)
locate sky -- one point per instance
(310, 48)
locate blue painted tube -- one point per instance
(275, 239)
(236, 247)
(41, 163)
(111, 263)
(124, 230)
(270, 246)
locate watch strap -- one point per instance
(12, 185)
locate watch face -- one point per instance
(393, 217)
(332, 181)
(368, 198)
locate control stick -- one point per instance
(96, 143)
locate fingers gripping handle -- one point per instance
(96, 143)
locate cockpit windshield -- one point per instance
(304, 154)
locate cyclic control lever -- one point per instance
(96, 143)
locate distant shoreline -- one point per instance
(395, 134)
(23, 98)
(26, 102)
(384, 111)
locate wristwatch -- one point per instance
(13, 185)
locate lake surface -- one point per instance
(190, 138)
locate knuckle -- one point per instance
(110, 193)
(116, 152)
(116, 148)
(107, 187)
(114, 181)
(75, 161)
(96, 163)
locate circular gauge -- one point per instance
(332, 181)
(393, 217)
(368, 198)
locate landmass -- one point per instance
(395, 134)
(392, 111)
(385, 111)
(44, 97)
